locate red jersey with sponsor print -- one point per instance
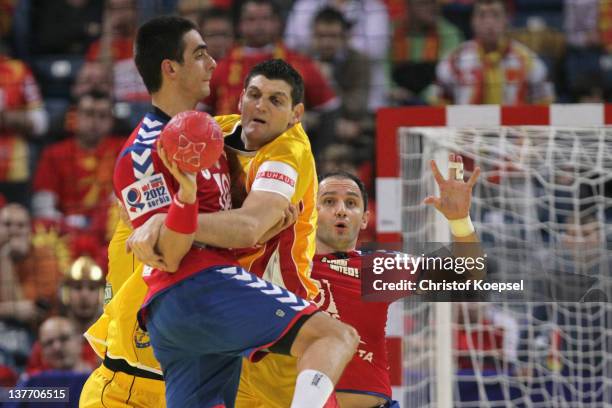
(146, 187)
(227, 81)
(339, 278)
(18, 91)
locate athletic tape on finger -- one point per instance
(458, 166)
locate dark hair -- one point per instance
(158, 39)
(279, 69)
(331, 15)
(214, 13)
(273, 5)
(348, 176)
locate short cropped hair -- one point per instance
(279, 69)
(158, 39)
(343, 175)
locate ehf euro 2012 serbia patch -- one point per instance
(146, 195)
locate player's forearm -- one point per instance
(272, 232)
(232, 229)
(223, 230)
(243, 227)
(469, 248)
(177, 234)
(173, 246)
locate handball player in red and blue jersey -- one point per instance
(203, 312)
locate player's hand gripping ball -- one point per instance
(193, 140)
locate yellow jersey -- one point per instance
(116, 333)
(285, 166)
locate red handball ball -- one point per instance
(193, 140)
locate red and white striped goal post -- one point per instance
(390, 120)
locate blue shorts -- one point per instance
(202, 327)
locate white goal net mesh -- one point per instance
(543, 210)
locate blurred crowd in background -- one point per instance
(70, 94)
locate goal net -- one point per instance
(542, 208)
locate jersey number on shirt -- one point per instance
(225, 199)
(223, 182)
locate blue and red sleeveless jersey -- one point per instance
(146, 187)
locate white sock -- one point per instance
(312, 389)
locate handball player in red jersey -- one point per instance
(343, 212)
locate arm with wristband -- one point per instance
(178, 230)
(175, 223)
(454, 203)
(264, 212)
(224, 229)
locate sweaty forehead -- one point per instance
(342, 186)
(266, 85)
